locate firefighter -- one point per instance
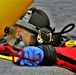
(33, 28)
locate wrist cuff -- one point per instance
(50, 55)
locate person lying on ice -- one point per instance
(43, 46)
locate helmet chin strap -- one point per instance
(39, 39)
(44, 36)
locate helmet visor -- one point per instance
(18, 37)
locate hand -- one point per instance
(31, 52)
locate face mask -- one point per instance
(19, 38)
(28, 38)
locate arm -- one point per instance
(50, 56)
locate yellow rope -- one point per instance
(7, 57)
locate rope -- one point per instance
(9, 50)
